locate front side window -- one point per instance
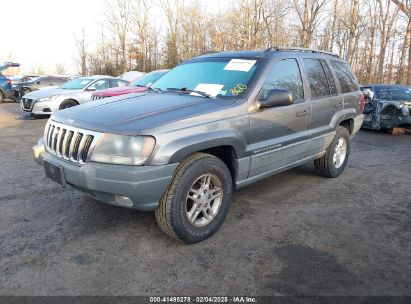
(219, 77)
(316, 78)
(284, 75)
(118, 83)
(347, 80)
(99, 85)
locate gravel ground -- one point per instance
(291, 234)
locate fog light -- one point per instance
(124, 201)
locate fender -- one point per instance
(344, 114)
(176, 150)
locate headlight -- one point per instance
(123, 150)
(49, 98)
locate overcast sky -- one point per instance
(41, 33)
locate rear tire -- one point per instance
(197, 200)
(335, 159)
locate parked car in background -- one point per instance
(22, 78)
(386, 106)
(39, 82)
(71, 93)
(6, 90)
(137, 86)
(212, 124)
(131, 76)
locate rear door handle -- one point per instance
(302, 113)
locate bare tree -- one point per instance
(61, 68)
(82, 51)
(405, 7)
(309, 16)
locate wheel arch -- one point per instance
(66, 101)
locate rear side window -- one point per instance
(284, 75)
(331, 82)
(317, 78)
(347, 80)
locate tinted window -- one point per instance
(284, 75)
(347, 80)
(317, 78)
(330, 78)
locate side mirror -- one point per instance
(38, 82)
(368, 94)
(276, 98)
(90, 89)
(149, 85)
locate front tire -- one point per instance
(68, 104)
(335, 159)
(197, 200)
(1, 97)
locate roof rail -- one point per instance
(299, 49)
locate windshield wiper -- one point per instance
(192, 91)
(157, 90)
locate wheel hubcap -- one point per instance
(204, 200)
(340, 152)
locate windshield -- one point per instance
(147, 79)
(77, 84)
(222, 77)
(393, 93)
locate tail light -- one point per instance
(362, 105)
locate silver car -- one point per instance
(71, 93)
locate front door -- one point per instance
(279, 136)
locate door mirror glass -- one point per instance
(276, 98)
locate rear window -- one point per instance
(317, 78)
(331, 82)
(347, 80)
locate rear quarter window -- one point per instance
(345, 76)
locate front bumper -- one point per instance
(137, 187)
(37, 107)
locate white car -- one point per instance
(71, 93)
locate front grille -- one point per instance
(27, 103)
(70, 143)
(97, 97)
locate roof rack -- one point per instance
(298, 49)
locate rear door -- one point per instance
(348, 84)
(279, 135)
(325, 103)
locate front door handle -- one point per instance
(302, 113)
(338, 105)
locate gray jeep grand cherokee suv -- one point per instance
(212, 124)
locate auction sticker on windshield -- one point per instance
(242, 65)
(210, 89)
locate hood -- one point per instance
(119, 91)
(138, 113)
(48, 92)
